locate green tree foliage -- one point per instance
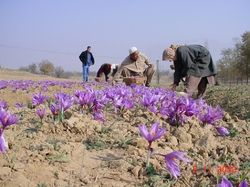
(245, 53)
(46, 67)
(227, 66)
(234, 65)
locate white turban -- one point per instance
(132, 50)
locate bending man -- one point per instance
(107, 70)
(193, 62)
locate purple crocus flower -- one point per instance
(3, 144)
(77, 93)
(128, 103)
(212, 115)
(54, 109)
(3, 84)
(98, 105)
(243, 183)
(222, 131)
(177, 110)
(65, 104)
(154, 133)
(192, 108)
(3, 105)
(225, 183)
(99, 116)
(118, 100)
(40, 112)
(171, 165)
(7, 119)
(85, 98)
(150, 99)
(38, 99)
(64, 101)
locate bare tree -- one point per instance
(245, 52)
(227, 65)
(235, 62)
(32, 68)
(46, 67)
(59, 72)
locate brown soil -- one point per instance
(83, 152)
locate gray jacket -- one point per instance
(194, 60)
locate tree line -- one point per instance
(234, 64)
(45, 67)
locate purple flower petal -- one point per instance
(99, 116)
(222, 131)
(54, 109)
(243, 183)
(7, 119)
(154, 133)
(38, 99)
(3, 105)
(225, 183)
(41, 112)
(172, 166)
(144, 131)
(3, 144)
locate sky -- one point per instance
(59, 30)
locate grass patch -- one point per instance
(233, 132)
(61, 158)
(55, 143)
(96, 144)
(124, 143)
(226, 159)
(41, 185)
(158, 180)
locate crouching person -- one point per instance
(106, 72)
(136, 64)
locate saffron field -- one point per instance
(65, 133)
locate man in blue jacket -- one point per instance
(87, 60)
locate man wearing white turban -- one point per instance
(136, 64)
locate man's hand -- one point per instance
(110, 79)
(113, 82)
(150, 65)
(172, 67)
(97, 79)
(182, 94)
(173, 87)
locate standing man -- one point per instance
(136, 64)
(87, 60)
